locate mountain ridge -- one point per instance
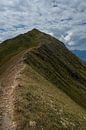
(45, 81)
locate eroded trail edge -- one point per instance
(8, 104)
(8, 81)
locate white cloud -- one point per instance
(64, 19)
(67, 38)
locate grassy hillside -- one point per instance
(16, 45)
(60, 67)
(20, 43)
(38, 100)
(46, 84)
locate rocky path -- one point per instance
(8, 83)
(8, 108)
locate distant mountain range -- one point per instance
(42, 84)
(81, 54)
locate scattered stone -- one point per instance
(32, 123)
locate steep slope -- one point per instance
(46, 84)
(61, 68)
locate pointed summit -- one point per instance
(35, 30)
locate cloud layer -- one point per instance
(64, 19)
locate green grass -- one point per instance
(39, 100)
(16, 45)
(69, 74)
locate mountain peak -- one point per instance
(34, 29)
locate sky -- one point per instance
(64, 19)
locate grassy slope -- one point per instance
(39, 100)
(51, 67)
(14, 46)
(60, 67)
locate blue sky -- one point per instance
(63, 19)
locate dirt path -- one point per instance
(8, 108)
(7, 95)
